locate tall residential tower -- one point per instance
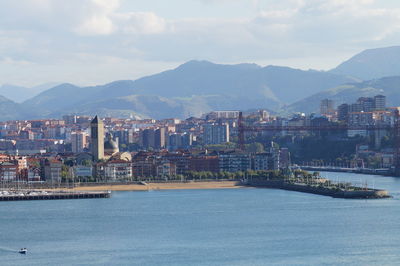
(97, 138)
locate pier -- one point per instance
(51, 195)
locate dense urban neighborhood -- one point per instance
(83, 148)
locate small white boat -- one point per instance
(22, 251)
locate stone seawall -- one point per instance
(319, 190)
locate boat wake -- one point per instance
(8, 249)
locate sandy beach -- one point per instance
(162, 186)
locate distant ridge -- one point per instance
(196, 87)
(19, 94)
(349, 93)
(192, 88)
(372, 64)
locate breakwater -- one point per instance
(320, 189)
(367, 171)
(51, 195)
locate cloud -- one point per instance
(141, 23)
(97, 18)
(11, 61)
(339, 21)
(319, 32)
(79, 16)
(96, 25)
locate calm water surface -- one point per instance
(206, 227)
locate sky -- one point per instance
(88, 42)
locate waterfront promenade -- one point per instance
(159, 186)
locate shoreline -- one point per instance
(322, 189)
(163, 186)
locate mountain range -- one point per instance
(19, 94)
(197, 87)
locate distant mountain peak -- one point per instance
(372, 64)
(270, 67)
(394, 48)
(196, 63)
(5, 99)
(205, 64)
(120, 83)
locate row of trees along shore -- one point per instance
(206, 175)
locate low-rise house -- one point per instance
(8, 171)
(51, 170)
(33, 174)
(114, 170)
(82, 171)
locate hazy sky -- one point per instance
(98, 41)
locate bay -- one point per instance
(206, 227)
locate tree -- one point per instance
(65, 173)
(255, 147)
(221, 147)
(87, 163)
(374, 162)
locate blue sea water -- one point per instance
(206, 227)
